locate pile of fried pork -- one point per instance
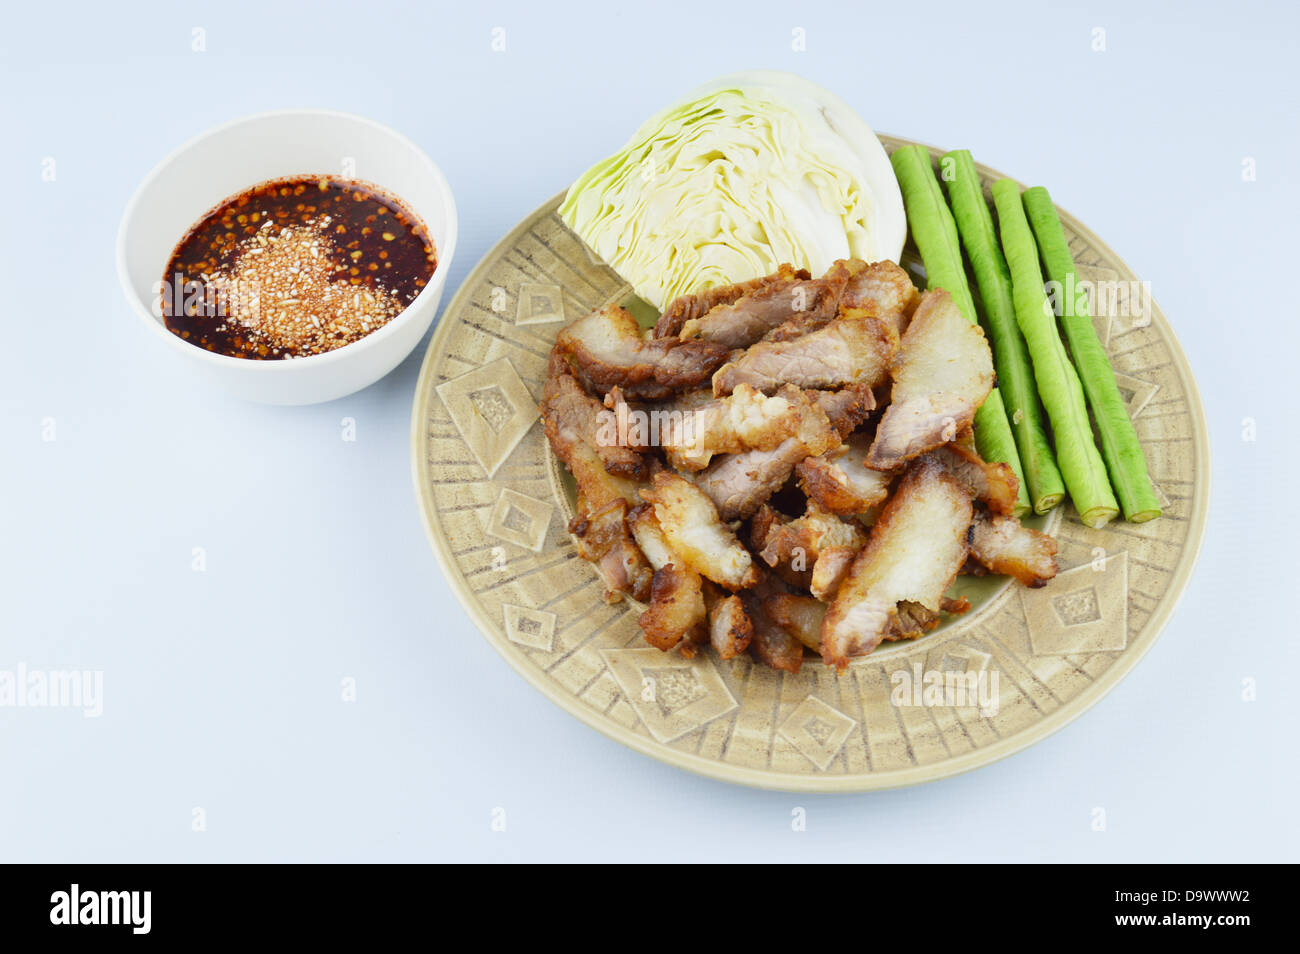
(787, 464)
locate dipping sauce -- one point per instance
(295, 267)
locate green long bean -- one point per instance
(1010, 356)
(1058, 384)
(1119, 441)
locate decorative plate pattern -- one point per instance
(1020, 665)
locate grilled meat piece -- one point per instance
(942, 374)
(748, 318)
(1002, 545)
(568, 408)
(730, 628)
(739, 483)
(914, 551)
(607, 349)
(840, 481)
(745, 420)
(693, 531)
(676, 611)
(697, 305)
(845, 351)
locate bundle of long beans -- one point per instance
(1058, 382)
(1010, 355)
(1119, 440)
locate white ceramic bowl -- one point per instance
(236, 156)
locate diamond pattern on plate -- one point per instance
(520, 519)
(492, 409)
(539, 304)
(529, 627)
(817, 730)
(670, 694)
(1084, 610)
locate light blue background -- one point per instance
(222, 688)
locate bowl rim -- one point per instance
(372, 340)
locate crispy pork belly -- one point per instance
(848, 408)
(747, 319)
(693, 531)
(602, 538)
(730, 628)
(607, 349)
(676, 609)
(745, 420)
(738, 484)
(818, 545)
(800, 616)
(832, 566)
(570, 422)
(883, 289)
(942, 374)
(697, 305)
(840, 481)
(577, 417)
(994, 485)
(676, 614)
(772, 643)
(1002, 545)
(846, 351)
(914, 552)
(599, 526)
(804, 538)
(649, 536)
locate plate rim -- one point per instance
(808, 782)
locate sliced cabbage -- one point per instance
(745, 173)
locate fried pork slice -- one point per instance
(676, 615)
(676, 611)
(730, 628)
(693, 531)
(813, 551)
(738, 484)
(602, 538)
(804, 538)
(800, 616)
(599, 526)
(914, 551)
(649, 536)
(578, 418)
(1002, 545)
(848, 408)
(607, 350)
(697, 305)
(846, 351)
(840, 482)
(819, 540)
(569, 418)
(994, 485)
(882, 289)
(832, 566)
(942, 374)
(772, 643)
(748, 318)
(745, 420)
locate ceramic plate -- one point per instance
(496, 502)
